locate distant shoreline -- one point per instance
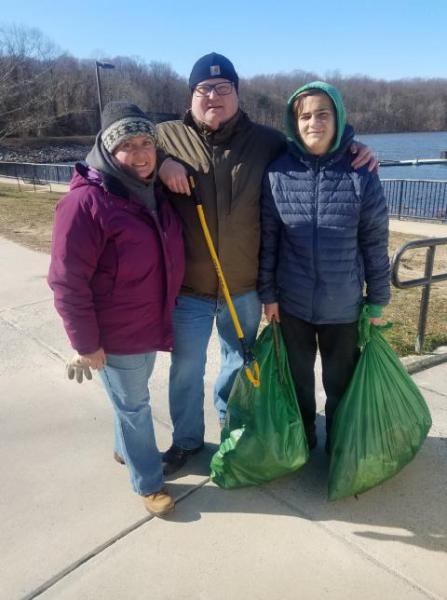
(88, 140)
(66, 149)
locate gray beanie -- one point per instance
(120, 121)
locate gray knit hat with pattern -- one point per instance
(120, 121)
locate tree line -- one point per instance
(46, 92)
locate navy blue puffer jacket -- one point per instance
(324, 233)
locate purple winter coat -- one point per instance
(116, 268)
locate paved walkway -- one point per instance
(71, 529)
(419, 228)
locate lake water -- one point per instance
(408, 146)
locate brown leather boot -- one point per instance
(159, 504)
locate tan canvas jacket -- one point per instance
(228, 166)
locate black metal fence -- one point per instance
(36, 174)
(407, 198)
(416, 199)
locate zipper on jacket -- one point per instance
(315, 232)
(213, 147)
(165, 251)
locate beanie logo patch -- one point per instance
(214, 70)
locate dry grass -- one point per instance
(26, 218)
(403, 310)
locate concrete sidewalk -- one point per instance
(72, 528)
(419, 228)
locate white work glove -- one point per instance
(78, 368)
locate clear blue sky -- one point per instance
(388, 39)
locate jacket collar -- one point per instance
(330, 158)
(222, 134)
(86, 175)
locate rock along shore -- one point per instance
(43, 151)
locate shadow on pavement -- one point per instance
(198, 464)
(410, 508)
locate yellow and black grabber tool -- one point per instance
(251, 366)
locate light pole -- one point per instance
(101, 65)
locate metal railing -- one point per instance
(426, 281)
(416, 199)
(35, 173)
(406, 198)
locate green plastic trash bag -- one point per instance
(381, 421)
(263, 437)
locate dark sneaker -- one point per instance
(174, 458)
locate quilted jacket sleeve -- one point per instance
(77, 244)
(373, 240)
(271, 226)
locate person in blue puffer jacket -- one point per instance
(324, 235)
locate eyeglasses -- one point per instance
(222, 89)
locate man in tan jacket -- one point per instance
(227, 154)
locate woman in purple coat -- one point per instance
(116, 268)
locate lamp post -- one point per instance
(101, 65)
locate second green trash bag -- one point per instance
(263, 437)
(381, 421)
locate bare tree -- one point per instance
(46, 92)
(26, 62)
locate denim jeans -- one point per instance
(193, 321)
(126, 378)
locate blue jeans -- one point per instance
(126, 378)
(193, 321)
